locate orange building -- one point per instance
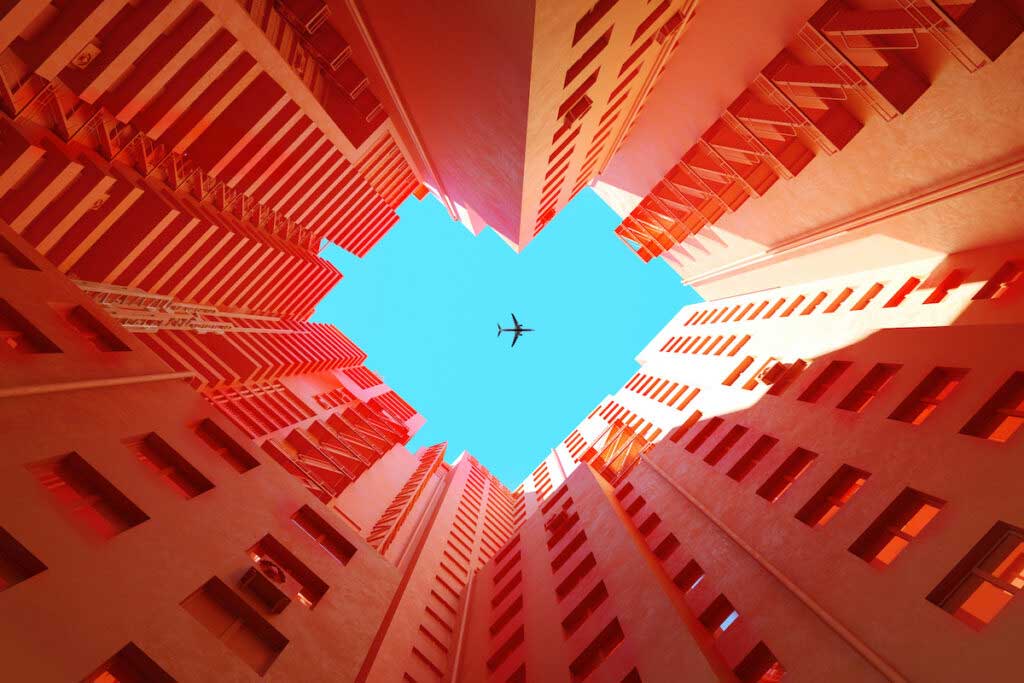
(812, 476)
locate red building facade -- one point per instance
(811, 476)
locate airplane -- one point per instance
(518, 329)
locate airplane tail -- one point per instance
(499, 329)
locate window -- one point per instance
(839, 300)
(759, 666)
(832, 372)
(740, 344)
(775, 308)
(129, 665)
(575, 576)
(787, 473)
(818, 298)
(587, 57)
(505, 617)
(981, 585)
(510, 645)
(590, 19)
(90, 328)
(898, 524)
(226, 447)
(16, 562)
(231, 620)
(757, 310)
(575, 544)
(836, 493)
(295, 577)
(679, 432)
(755, 454)
(587, 606)
(1002, 415)
(793, 306)
(596, 652)
(789, 376)
(87, 496)
(725, 345)
(719, 616)
(18, 335)
(722, 447)
(953, 280)
(933, 390)
(868, 388)
(689, 576)
(323, 533)
(740, 369)
(1006, 278)
(176, 472)
(868, 297)
(702, 436)
(909, 286)
(667, 546)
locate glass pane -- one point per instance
(983, 604)
(920, 519)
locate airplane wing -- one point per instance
(514, 321)
(516, 338)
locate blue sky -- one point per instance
(425, 301)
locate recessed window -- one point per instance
(720, 450)
(329, 538)
(85, 495)
(869, 387)
(775, 308)
(953, 280)
(740, 344)
(909, 286)
(18, 335)
(719, 616)
(226, 447)
(755, 454)
(789, 375)
(933, 390)
(689, 576)
(703, 435)
(587, 606)
(288, 573)
(1008, 277)
(596, 652)
(581, 570)
(668, 545)
(793, 306)
(16, 562)
(760, 666)
(982, 584)
(839, 300)
(230, 619)
(739, 370)
(176, 472)
(787, 474)
(129, 665)
(1002, 415)
(677, 434)
(90, 328)
(818, 298)
(868, 297)
(832, 372)
(896, 527)
(836, 493)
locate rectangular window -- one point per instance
(933, 390)
(590, 19)
(719, 616)
(689, 576)
(18, 335)
(515, 608)
(832, 372)
(909, 286)
(175, 471)
(231, 620)
(725, 345)
(740, 344)
(510, 645)
(129, 665)
(759, 666)
(867, 389)
(90, 328)
(587, 57)
(836, 492)
(839, 300)
(722, 447)
(953, 280)
(575, 576)
(898, 524)
(294, 576)
(775, 308)
(793, 306)
(1006, 278)
(755, 454)
(87, 496)
(575, 544)
(649, 525)
(818, 298)
(868, 297)
(323, 533)
(789, 375)
(667, 546)
(981, 585)
(16, 562)
(702, 436)
(757, 310)
(739, 370)
(787, 473)
(587, 606)
(226, 447)
(1002, 415)
(596, 652)
(679, 432)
